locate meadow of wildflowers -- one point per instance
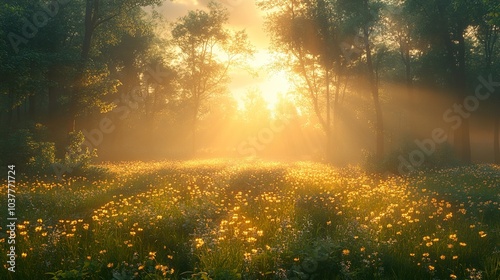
(230, 219)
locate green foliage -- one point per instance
(76, 155)
(27, 149)
(71, 274)
(90, 269)
(202, 71)
(146, 269)
(222, 261)
(443, 157)
(78, 158)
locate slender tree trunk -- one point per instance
(194, 126)
(464, 133)
(461, 82)
(10, 117)
(18, 113)
(55, 118)
(312, 93)
(462, 141)
(335, 120)
(91, 11)
(379, 125)
(193, 136)
(328, 118)
(32, 107)
(496, 139)
(409, 90)
(489, 42)
(53, 94)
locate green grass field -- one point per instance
(218, 219)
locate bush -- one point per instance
(76, 156)
(443, 157)
(27, 149)
(77, 160)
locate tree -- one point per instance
(207, 49)
(489, 37)
(97, 14)
(310, 34)
(18, 77)
(369, 14)
(399, 24)
(443, 26)
(55, 68)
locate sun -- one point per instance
(274, 88)
(272, 84)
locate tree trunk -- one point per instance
(32, 107)
(194, 125)
(10, 117)
(55, 118)
(379, 125)
(193, 136)
(18, 113)
(336, 115)
(328, 131)
(53, 94)
(462, 141)
(496, 139)
(457, 63)
(91, 12)
(490, 40)
(312, 94)
(409, 89)
(461, 82)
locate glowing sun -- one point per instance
(273, 85)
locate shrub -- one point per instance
(27, 149)
(77, 160)
(76, 156)
(443, 157)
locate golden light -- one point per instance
(272, 84)
(273, 88)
